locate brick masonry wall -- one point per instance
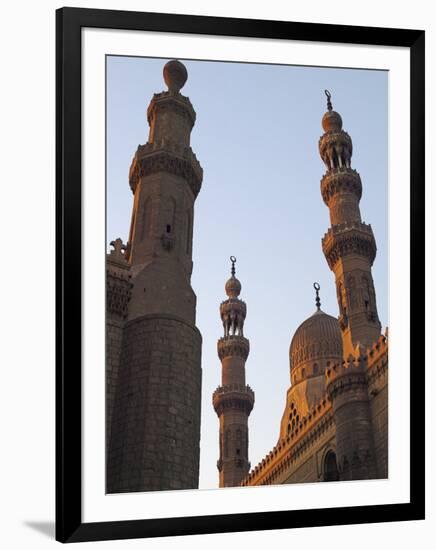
(155, 440)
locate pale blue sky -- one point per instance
(256, 137)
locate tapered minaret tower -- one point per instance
(349, 245)
(233, 400)
(154, 440)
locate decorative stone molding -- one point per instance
(160, 160)
(118, 255)
(118, 293)
(233, 396)
(340, 180)
(344, 239)
(233, 345)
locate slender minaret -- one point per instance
(155, 435)
(349, 245)
(233, 400)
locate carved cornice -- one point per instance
(233, 396)
(340, 180)
(344, 239)
(166, 157)
(229, 346)
(175, 102)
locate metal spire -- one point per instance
(329, 102)
(317, 287)
(233, 260)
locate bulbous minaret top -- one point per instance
(233, 310)
(175, 75)
(335, 146)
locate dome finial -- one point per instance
(329, 100)
(317, 288)
(233, 270)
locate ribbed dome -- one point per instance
(317, 340)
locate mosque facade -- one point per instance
(335, 422)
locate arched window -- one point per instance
(330, 467)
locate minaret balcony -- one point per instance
(166, 156)
(233, 396)
(340, 180)
(345, 239)
(233, 345)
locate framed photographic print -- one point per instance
(240, 249)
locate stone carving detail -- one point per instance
(233, 345)
(335, 149)
(233, 312)
(118, 293)
(119, 253)
(341, 240)
(165, 161)
(339, 180)
(233, 396)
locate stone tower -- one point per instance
(349, 245)
(155, 434)
(350, 249)
(233, 401)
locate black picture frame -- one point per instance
(69, 525)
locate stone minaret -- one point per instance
(233, 400)
(349, 245)
(155, 435)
